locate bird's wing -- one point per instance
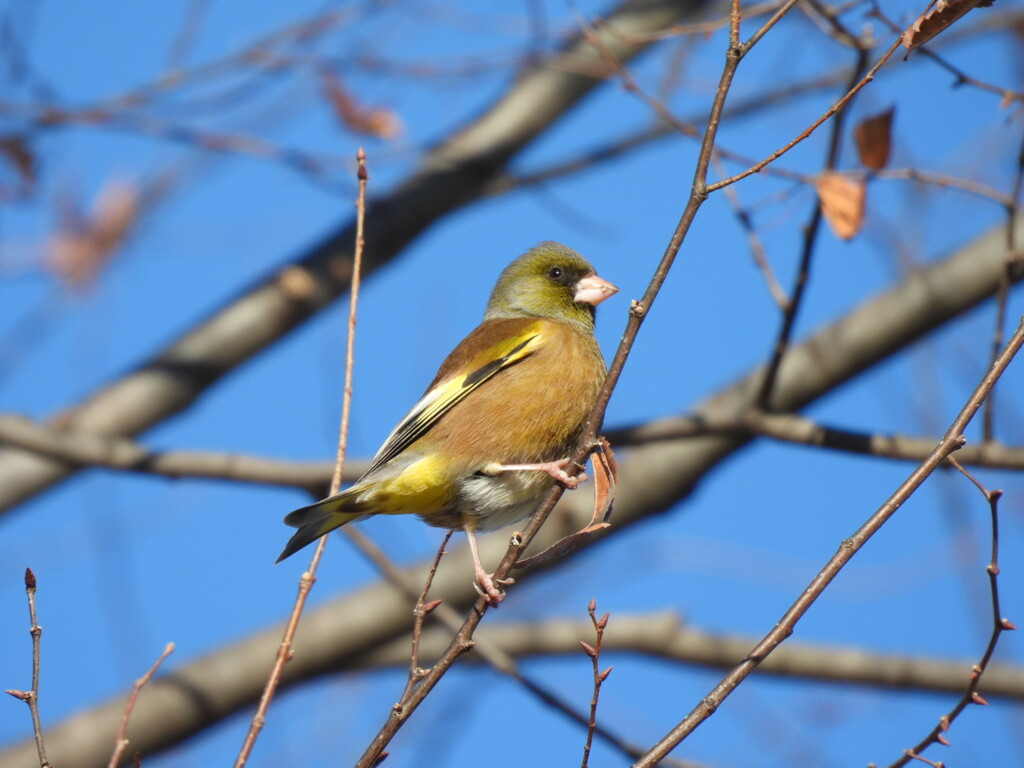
(449, 390)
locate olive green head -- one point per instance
(551, 281)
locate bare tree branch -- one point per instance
(82, 449)
(793, 428)
(666, 636)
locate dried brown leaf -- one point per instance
(606, 480)
(931, 23)
(83, 245)
(873, 137)
(564, 546)
(370, 121)
(842, 203)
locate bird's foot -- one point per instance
(491, 588)
(554, 469)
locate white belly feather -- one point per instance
(496, 501)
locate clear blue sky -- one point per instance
(126, 564)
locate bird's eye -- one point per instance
(555, 273)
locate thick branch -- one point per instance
(81, 449)
(664, 636)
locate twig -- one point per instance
(838, 105)
(943, 180)
(950, 442)
(122, 731)
(826, 19)
(284, 651)
(594, 652)
(911, 756)
(240, 59)
(191, 24)
(419, 613)
(999, 625)
(757, 252)
(316, 167)
(630, 85)
(31, 697)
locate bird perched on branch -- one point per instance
(497, 424)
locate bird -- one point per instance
(496, 426)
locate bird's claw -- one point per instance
(487, 586)
(556, 470)
(571, 482)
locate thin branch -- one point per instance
(594, 652)
(31, 696)
(943, 180)
(284, 651)
(950, 442)
(838, 105)
(999, 625)
(241, 59)
(757, 251)
(191, 24)
(794, 428)
(630, 85)
(419, 613)
(318, 167)
(122, 731)
(826, 19)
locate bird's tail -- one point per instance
(320, 518)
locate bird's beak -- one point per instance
(593, 290)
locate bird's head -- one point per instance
(550, 280)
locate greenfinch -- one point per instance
(497, 424)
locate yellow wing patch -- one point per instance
(447, 393)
